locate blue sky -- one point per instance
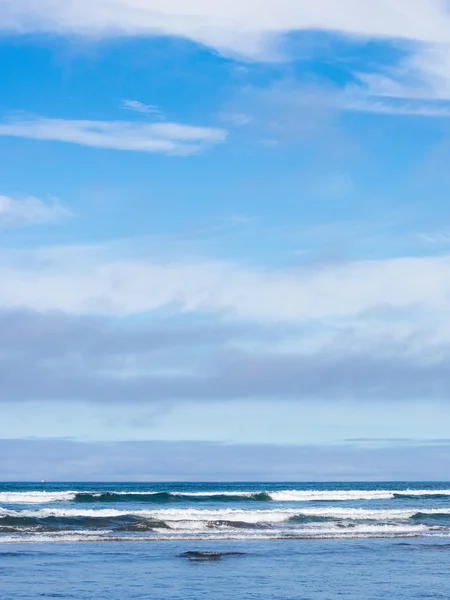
(226, 224)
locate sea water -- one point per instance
(225, 541)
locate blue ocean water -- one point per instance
(223, 541)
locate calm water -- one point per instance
(223, 541)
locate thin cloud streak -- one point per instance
(142, 108)
(163, 138)
(384, 107)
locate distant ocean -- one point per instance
(225, 541)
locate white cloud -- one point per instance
(84, 281)
(140, 107)
(24, 212)
(238, 27)
(165, 138)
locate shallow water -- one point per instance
(319, 569)
(195, 541)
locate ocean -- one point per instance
(225, 541)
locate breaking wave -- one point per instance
(166, 497)
(169, 497)
(13, 523)
(76, 512)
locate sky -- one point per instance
(225, 240)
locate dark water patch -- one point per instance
(167, 497)
(197, 556)
(24, 554)
(421, 547)
(54, 595)
(301, 518)
(406, 496)
(404, 544)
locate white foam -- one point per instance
(343, 495)
(328, 532)
(279, 515)
(35, 497)
(275, 515)
(71, 512)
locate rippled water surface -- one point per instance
(192, 541)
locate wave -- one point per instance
(249, 515)
(310, 519)
(328, 532)
(266, 496)
(83, 523)
(196, 518)
(166, 497)
(432, 518)
(349, 495)
(35, 497)
(170, 497)
(12, 524)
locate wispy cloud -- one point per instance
(164, 138)
(25, 212)
(417, 85)
(435, 237)
(144, 109)
(393, 106)
(423, 74)
(289, 110)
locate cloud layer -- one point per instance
(57, 357)
(34, 460)
(229, 26)
(83, 281)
